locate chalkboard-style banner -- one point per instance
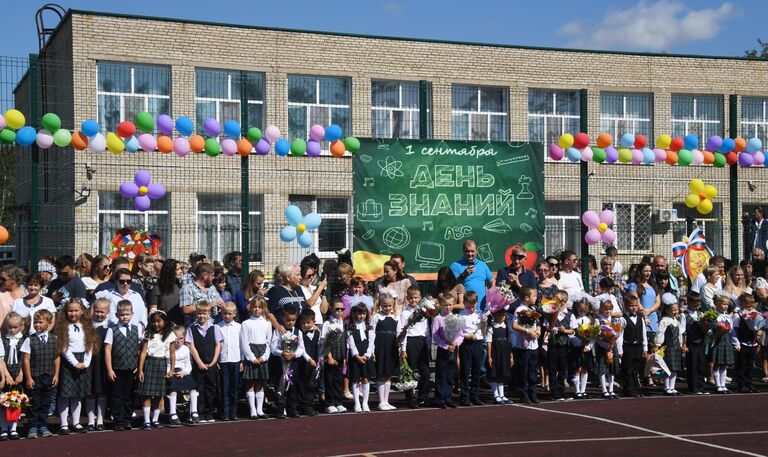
(423, 199)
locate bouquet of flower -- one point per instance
(427, 307)
(453, 327)
(289, 342)
(609, 333)
(13, 401)
(406, 380)
(707, 318)
(722, 327)
(754, 319)
(588, 332)
(499, 298)
(528, 317)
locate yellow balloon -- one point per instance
(114, 143)
(663, 141)
(692, 200)
(711, 191)
(15, 119)
(697, 186)
(565, 141)
(705, 207)
(301, 228)
(602, 227)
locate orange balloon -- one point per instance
(79, 141)
(164, 144)
(244, 147)
(740, 144)
(338, 149)
(671, 157)
(196, 143)
(604, 140)
(4, 235)
(709, 158)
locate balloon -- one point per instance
(698, 157)
(282, 147)
(212, 147)
(263, 147)
(4, 235)
(272, 133)
(2, 125)
(26, 135)
(592, 236)
(312, 221)
(155, 191)
(581, 140)
(754, 145)
(317, 132)
(293, 215)
(232, 128)
(125, 129)
(164, 143)
(611, 154)
(607, 216)
(298, 147)
(180, 145)
(739, 145)
(132, 145)
(671, 157)
(211, 127)
(142, 178)
(164, 124)
(89, 128)
(727, 145)
(731, 158)
(590, 219)
(587, 154)
(602, 227)
(746, 160)
(145, 122)
(565, 141)
(556, 152)
(333, 133)
(660, 155)
(648, 156)
(598, 155)
(352, 144)
(129, 189)
(713, 143)
(254, 134)
(690, 141)
(98, 143)
(62, 138)
(14, 119)
(684, 158)
(244, 147)
(637, 156)
(229, 147)
(184, 126)
(719, 161)
(604, 140)
(759, 158)
(305, 240)
(625, 155)
(79, 141)
(51, 122)
(663, 141)
(640, 141)
(573, 154)
(696, 186)
(692, 200)
(709, 158)
(627, 140)
(196, 143)
(337, 148)
(710, 191)
(114, 144)
(705, 207)
(7, 136)
(609, 236)
(141, 203)
(44, 139)
(313, 148)
(288, 234)
(676, 144)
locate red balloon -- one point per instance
(640, 141)
(581, 140)
(731, 158)
(676, 144)
(126, 129)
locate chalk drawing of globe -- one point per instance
(396, 237)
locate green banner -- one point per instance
(423, 199)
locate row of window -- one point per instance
(477, 112)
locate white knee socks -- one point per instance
(260, 402)
(609, 382)
(63, 405)
(146, 410)
(583, 378)
(382, 391)
(603, 388)
(156, 415)
(356, 394)
(495, 390)
(251, 397)
(75, 406)
(172, 404)
(366, 393)
(193, 401)
(90, 408)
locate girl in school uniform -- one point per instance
(255, 340)
(156, 359)
(182, 380)
(361, 367)
(10, 367)
(723, 343)
(607, 364)
(76, 341)
(670, 334)
(96, 404)
(580, 355)
(384, 329)
(499, 354)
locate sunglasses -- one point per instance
(336, 310)
(125, 281)
(520, 256)
(554, 265)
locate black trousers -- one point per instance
(558, 370)
(696, 366)
(418, 359)
(471, 356)
(305, 385)
(121, 396)
(745, 361)
(40, 399)
(632, 367)
(525, 371)
(230, 386)
(445, 375)
(289, 398)
(206, 388)
(334, 384)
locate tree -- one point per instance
(758, 54)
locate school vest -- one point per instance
(633, 332)
(311, 344)
(125, 349)
(336, 345)
(561, 339)
(694, 332)
(41, 355)
(205, 345)
(744, 334)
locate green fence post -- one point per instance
(34, 87)
(584, 188)
(245, 200)
(423, 110)
(733, 124)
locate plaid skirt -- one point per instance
(580, 359)
(74, 383)
(673, 357)
(251, 371)
(603, 367)
(155, 369)
(722, 352)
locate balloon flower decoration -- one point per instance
(701, 196)
(130, 243)
(598, 227)
(142, 190)
(692, 253)
(299, 227)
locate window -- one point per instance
(701, 115)
(552, 113)
(622, 113)
(116, 212)
(219, 225)
(712, 224)
(395, 109)
(754, 118)
(479, 113)
(562, 226)
(127, 89)
(632, 224)
(335, 232)
(218, 94)
(317, 100)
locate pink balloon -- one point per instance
(661, 155)
(637, 156)
(556, 152)
(181, 146)
(229, 147)
(587, 154)
(609, 236)
(592, 236)
(590, 219)
(2, 122)
(155, 191)
(758, 158)
(317, 133)
(606, 216)
(141, 203)
(272, 133)
(147, 142)
(698, 157)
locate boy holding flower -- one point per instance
(447, 333)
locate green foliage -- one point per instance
(760, 53)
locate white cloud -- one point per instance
(659, 26)
(393, 8)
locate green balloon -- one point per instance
(684, 157)
(7, 136)
(145, 122)
(51, 122)
(598, 155)
(352, 144)
(212, 147)
(298, 147)
(625, 155)
(62, 138)
(254, 135)
(719, 160)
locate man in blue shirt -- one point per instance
(473, 273)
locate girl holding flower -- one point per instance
(581, 359)
(724, 343)
(670, 335)
(607, 359)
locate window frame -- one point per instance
(165, 248)
(218, 214)
(229, 99)
(554, 115)
(325, 147)
(620, 234)
(412, 113)
(503, 114)
(347, 217)
(695, 120)
(614, 131)
(122, 95)
(755, 125)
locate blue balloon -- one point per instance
(312, 221)
(293, 215)
(648, 156)
(690, 142)
(332, 133)
(26, 136)
(754, 145)
(232, 128)
(727, 146)
(132, 145)
(573, 154)
(627, 140)
(89, 128)
(305, 240)
(288, 234)
(184, 126)
(282, 147)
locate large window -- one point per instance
(562, 226)
(219, 225)
(754, 118)
(711, 224)
(317, 100)
(552, 113)
(479, 113)
(622, 113)
(116, 212)
(395, 109)
(701, 115)
(632, 224)
(335, 232)
(218, 94)
(127, 89)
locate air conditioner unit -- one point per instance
(666, 215)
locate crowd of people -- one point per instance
(115, 337)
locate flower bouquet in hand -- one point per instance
(587, 332)
(754, 319)
(707, 318)
(453, 327)
(289, 342)
(609, 333)
(427, 307)
(13, 401)
(406, 380)
(528, 317)
(499, 298)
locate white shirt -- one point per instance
(331, 322)
(571, 283)
(617, 267)
(139, 307)
(109, 336)
(276, 346)
(20, 307)
(519, 339)
(665, 322)
(13, 348)
(256, 330)
(634, 319)
(700, 280)
(415, 330)
(308, 292)
(472, 324)
(365, 334)
(230, 347)
(183, 359)
(489, 331)
(25, 346)
(76, 344)
(159, 347)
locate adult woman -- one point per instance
(344, 275)
(251, 288)
(447, 284)
(759, 265)
(143, 271)
(645, 287)
(663, 284)
(100, 272)
(394, 284)
(313, 295)
(165, 295)
(83, 264)
(554, 266)
(736, 284)
(285, 294)
(11, 279)
(547, 284)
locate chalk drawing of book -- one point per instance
(429, 254)
(369, 211)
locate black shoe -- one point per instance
(147, 427)
(465, 402)
(4, 436)
(534, 399)
(14, 436)
(525, 400)
(442, 406)
(157, 424)
(477, 402)
(91, 428)
(292, 414)
(754, 389)
(118, 428)
(451, 405)
(233, 417)
(80, 429)
(744, 390)
(99, 427)
(64, 431)
(128, 427)
(422, 403)
(310, 412)
(175, 421)
(279, 415)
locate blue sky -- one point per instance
(710, 27)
